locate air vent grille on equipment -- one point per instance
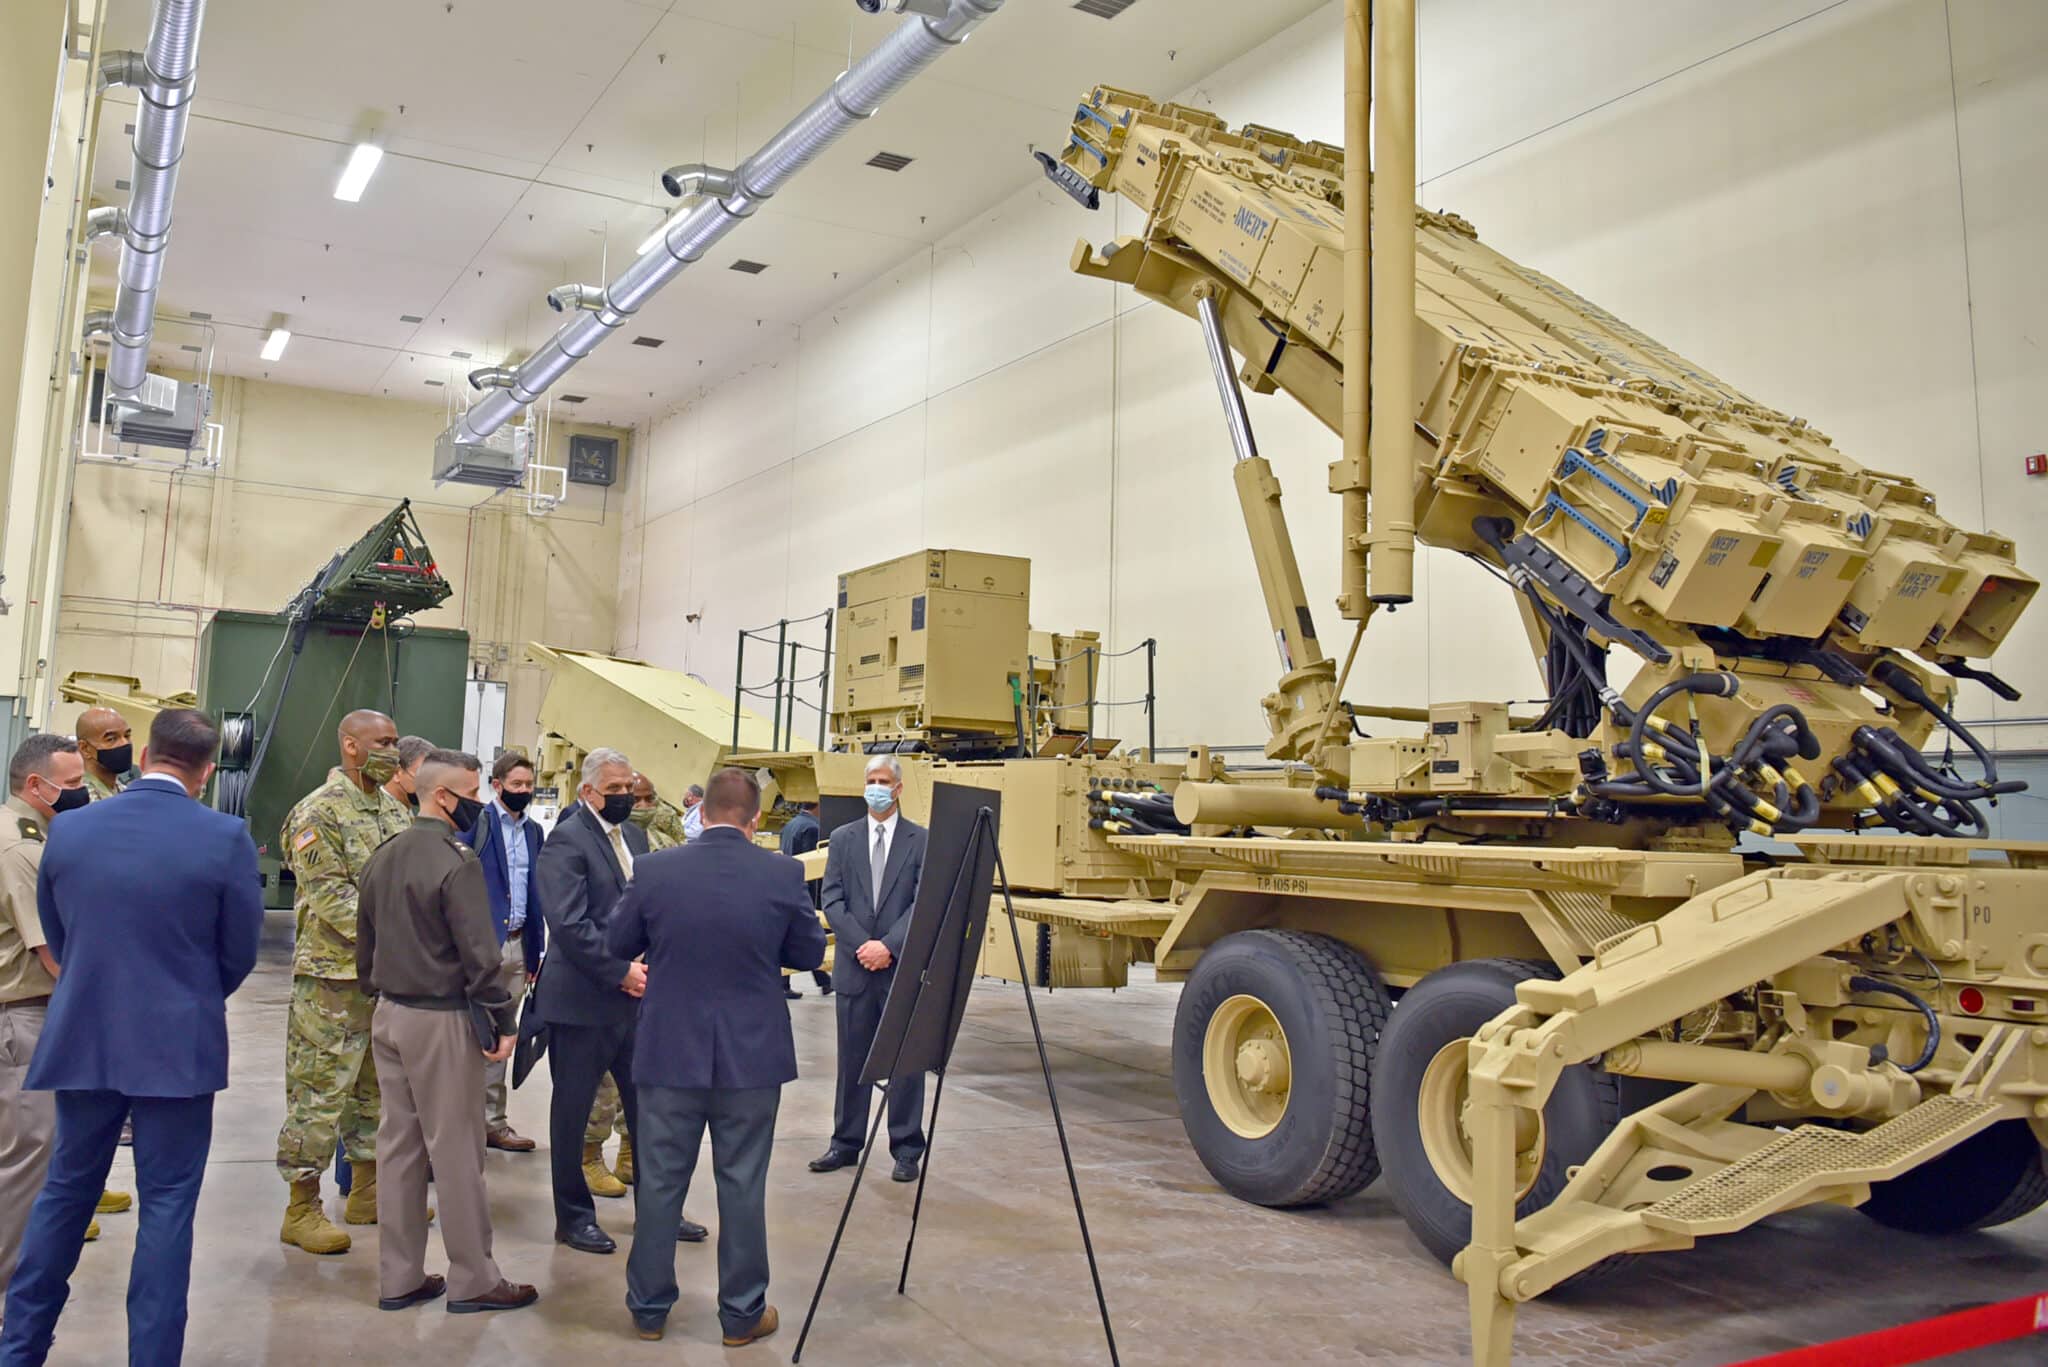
(1103, 9)
(909, 675)
(746, 267)
(890, 161)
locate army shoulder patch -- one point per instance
(305, 838)
(30, 830)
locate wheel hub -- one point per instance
(1246, 1066)
(1443, 1109)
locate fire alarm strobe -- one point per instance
(2037, 465)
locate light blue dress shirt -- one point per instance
(512, 830)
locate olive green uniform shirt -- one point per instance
(22, 975)
(326, 842)
(424, 936)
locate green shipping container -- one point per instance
(416, 674)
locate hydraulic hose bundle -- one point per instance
(1755, 787)
(1907, 791)
(1134, 810)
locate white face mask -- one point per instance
(880, 796)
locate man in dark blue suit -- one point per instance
(508, 845)
(148, 947)
(871, 876)
(718, 919)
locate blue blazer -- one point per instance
(484, 838)
(153, 907)
(718, 919)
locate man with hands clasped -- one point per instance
(871, 877)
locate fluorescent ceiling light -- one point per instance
(273, 345)
(362, 164)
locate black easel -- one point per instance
(981, 838)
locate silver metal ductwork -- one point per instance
(696, 178)
(97, 321)
(857, 94)
(492, 377)
(108, 218)
(565, 298)
(163, 78)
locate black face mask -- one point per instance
(618, 808)
(118, 759)
(71, 799)
(467, 810)
(515, 803)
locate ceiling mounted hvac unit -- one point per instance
(162, 413)
(498, 461)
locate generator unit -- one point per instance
(931, 652)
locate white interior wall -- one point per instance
(1835, 206)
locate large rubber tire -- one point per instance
(1449, 1005)
(1990, 1178)
(1332, 1007)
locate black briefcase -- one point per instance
(533, 1040)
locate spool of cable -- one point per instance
(237, 740)
(231, 791)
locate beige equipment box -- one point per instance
(932, 647)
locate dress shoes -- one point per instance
(833, 1160)
(650, 1329)
(428, 1290)
(586, 1239)
(510, 1140)
(762, 1328)
(504, 1296)
(690, 1232)
(906, 1170)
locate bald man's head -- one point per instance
(103, 741)
(364, 734)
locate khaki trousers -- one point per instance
(28, 1130)
(431, 1069)
(512, 964)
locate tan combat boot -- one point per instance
(92, 1231)
(362, 1193)
(601, 1182)
(114, 1202)
(623, 1169)
(307, 1225)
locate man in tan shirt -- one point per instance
(46, 776)
(426, 949)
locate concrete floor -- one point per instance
(1192, 1275)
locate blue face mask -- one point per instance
(881, 796)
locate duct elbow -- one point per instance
(108, 219)
(493, 376)
(98, 323)
(124, 67)
(696, 178)
(569, 298)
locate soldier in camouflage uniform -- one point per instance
(106, 746)
(330, 1082)
(662, 822)
(664, 827)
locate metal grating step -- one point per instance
(1811, 1157)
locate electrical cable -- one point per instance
(1878, 985)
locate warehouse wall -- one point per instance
(1835, 206)
(303, 473)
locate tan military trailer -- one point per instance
(1535, 970)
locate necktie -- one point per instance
(625, 855)
(879, 859)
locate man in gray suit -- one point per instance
(871, 877)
